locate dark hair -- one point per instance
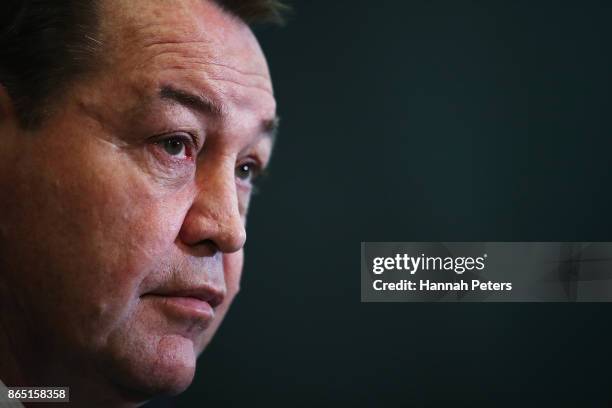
(46, 44)
(256, 11)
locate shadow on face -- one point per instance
(122, 239)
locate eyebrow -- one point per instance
(208, 106)
(198, 102)
(270, 128)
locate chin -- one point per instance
(165, 366)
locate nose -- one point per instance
(214, 218)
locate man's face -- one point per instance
(126, 209)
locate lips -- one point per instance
(213, 296)
(188, 302)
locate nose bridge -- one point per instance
(215, 213)
(219, 192)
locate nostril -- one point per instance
(205, 247)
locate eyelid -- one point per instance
(258, 168)
(258, 165)
(191, 137)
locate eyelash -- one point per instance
(255, 170)
(189, 143)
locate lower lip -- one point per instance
(187, 306)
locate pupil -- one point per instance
(174, 147)
(244, 171)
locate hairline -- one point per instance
(82, 55)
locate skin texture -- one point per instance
(98, 213)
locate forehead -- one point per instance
(192, 42)
(141, 23)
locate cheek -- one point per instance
(131, 233)
(87, 231)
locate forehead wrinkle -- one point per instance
(191, 41)
(202, 71)
(198, 60)
(252, 86)
(159, 41)
(180, 56)
(158, 18)
(202, 50)
(189, 38)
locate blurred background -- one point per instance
(422, 121)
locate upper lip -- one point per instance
(206, 293)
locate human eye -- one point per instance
(247, 171)
(176, 146)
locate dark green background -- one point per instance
(422, 121)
